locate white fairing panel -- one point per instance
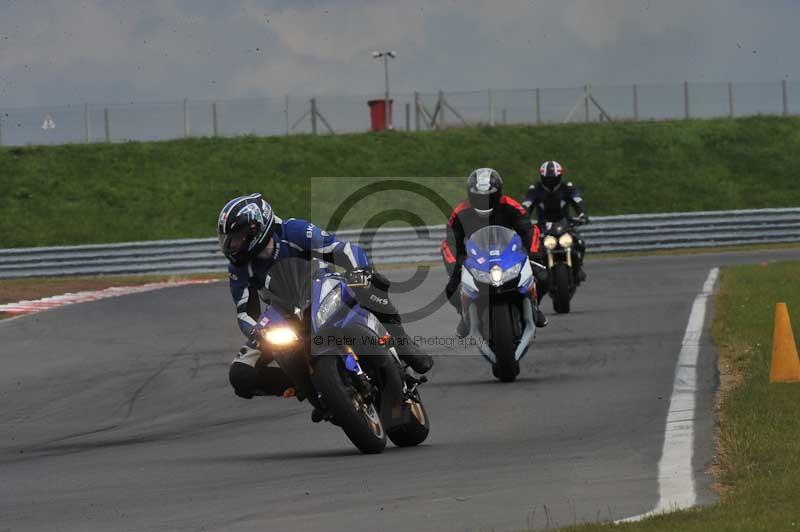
(525, 275)
(467, 280)
(327, 286)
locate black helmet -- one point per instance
(484, 188)
(550, 174)
(244, 227)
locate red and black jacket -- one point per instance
(464, 221)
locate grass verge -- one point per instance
(157, 190)
(758, 423)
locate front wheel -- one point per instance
(503, 342)
(358, 418)
(560, 287)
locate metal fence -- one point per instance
(417, 111)
(646, 232)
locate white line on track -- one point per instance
(676, 482)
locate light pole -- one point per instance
(385, 56)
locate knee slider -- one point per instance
(244, 379)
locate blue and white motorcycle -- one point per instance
(338, 356)
(498, 297)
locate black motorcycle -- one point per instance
(559, 240)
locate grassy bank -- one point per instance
(758, 423)
(137, 191)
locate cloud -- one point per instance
(344, 32)
(52, 51)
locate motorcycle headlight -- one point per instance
(550, 242)
(496, 274)
(280, 336)
(481, 276)
(511, 273)
(565, 240)
(329, 305)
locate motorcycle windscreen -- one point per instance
(290, 281)
(492, 237)
(557, 228)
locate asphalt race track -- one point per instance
(117, 415)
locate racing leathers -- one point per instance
(464, 221)
(554, 206)
(250, 373)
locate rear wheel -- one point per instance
(560, 287)
(358, 418)
(503, 340)
(415, 431)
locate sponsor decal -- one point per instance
(382, 301)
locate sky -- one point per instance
(56, 52)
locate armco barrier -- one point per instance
(606, 234)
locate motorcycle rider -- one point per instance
(486, 205)
(252, 238)
(552, 200)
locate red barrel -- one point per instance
(377, 114)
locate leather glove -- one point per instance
(360, 276)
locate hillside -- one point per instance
(139, 191)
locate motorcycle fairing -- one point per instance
(497, 249)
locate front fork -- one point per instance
(360, 379)
(551, 260)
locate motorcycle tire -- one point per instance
(560, 288)
(502, 341)
(362, 426)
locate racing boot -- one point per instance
(317, 415)
(407, 349)
(462, 329)
(376, 300)
(539, 318)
